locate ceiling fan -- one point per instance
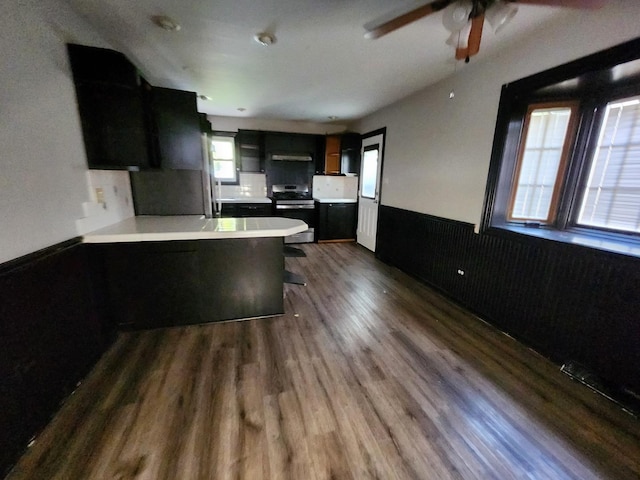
(465, 19)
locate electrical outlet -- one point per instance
(99, 195)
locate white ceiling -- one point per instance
(321, 65)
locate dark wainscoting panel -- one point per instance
(51, 335)
(569, 303)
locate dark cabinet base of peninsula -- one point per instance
(160, 284)
(336, 221)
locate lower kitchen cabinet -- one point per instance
(247, 210)
(159, 284)
(336, 221)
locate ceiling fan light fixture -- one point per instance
(456, 16)
(500, 14)
(460, 39)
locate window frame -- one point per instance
(232, 135)
(568, 143)
(592, 81)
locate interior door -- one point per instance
(369, 193)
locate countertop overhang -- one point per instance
(194, 227)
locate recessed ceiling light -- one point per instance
(166, 23)
(332, 117)
(265, 39)
(242, 109)
(205, 97)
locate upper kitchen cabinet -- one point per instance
(350, 145)
(332, 155)
(342, 154)
(290, 144)
(111, 108)
(250, 150)
(174, 128)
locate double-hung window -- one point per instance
(566, 157)
(223, 158)
(611, 196)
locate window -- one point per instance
(541, 162)
(566, 156)
(223, 158)
(370, 171)
(611, 198)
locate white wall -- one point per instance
(438, 150)
(43, 181)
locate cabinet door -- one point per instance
(110, 107)
(332, 155)
(101, 65)
(350, 144)
(250, 150)
(337, 221)
(113, 126)
(175, 128)
(153, 284)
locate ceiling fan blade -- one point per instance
(475, 35)
(565, 3)
(473, 44)
(406, 18)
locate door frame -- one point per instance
(380, 131)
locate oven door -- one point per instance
(306, 213)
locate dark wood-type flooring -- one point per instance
(369, 374)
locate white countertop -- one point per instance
(245, 200)
(336, 200)
(193, 227)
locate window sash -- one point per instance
(611, 197)
(223, 158)
(548, 133)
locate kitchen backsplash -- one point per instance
(335, 186)
(251, 185)
(111, 200)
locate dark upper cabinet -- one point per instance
(101, 65)
(111, 108)
(339, 154)
(292, 143)
(350, 145)
(175, 140)
(250, 150)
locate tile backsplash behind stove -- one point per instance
(251, 185)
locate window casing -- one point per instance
(596, 192)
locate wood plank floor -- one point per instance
(368, 375)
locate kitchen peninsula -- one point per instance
(177, 270)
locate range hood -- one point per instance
(292, 157)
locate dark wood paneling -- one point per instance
(567, 302)
(50, 337)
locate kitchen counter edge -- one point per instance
(193, 227)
